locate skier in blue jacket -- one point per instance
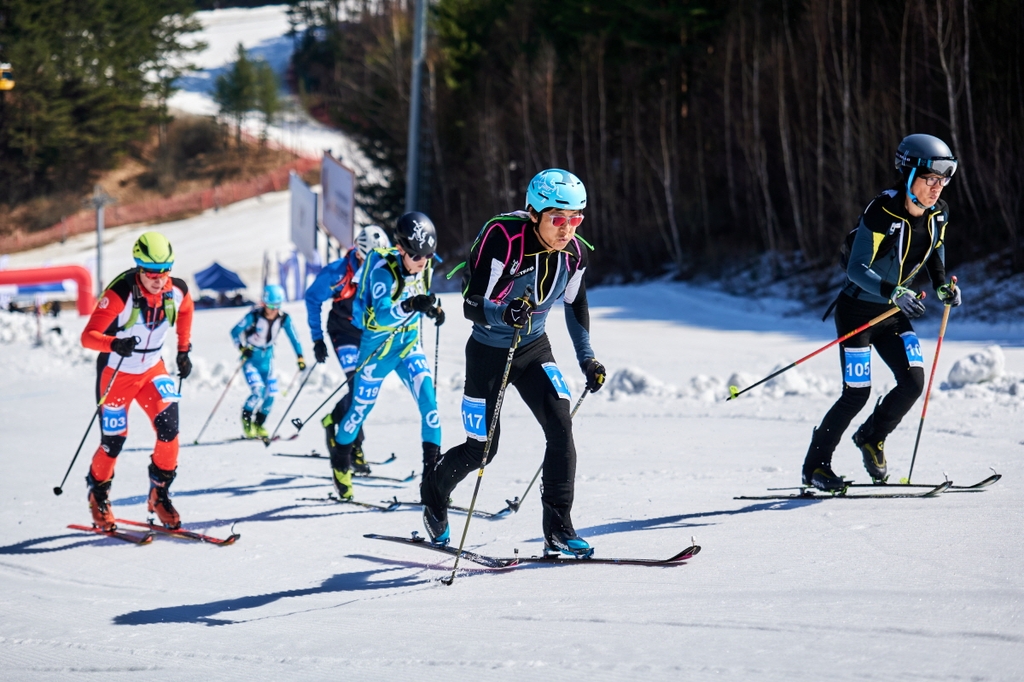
(255, 336)
(393, 290)
(337, 283)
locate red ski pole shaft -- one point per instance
(734, 392)
(928, 391)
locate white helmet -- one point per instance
(369, 238)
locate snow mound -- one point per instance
(631, 381)
(976, 368)
(16, 328)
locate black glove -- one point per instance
(184, 364)
(421, 303)
(595, 374)
(302, 363)
(438, 316)
(907, 301)
(949, 294)
(246, 352)
(517, 313)
(124, 347)
(320, 350)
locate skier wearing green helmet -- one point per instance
(520, 266)
(128, 328)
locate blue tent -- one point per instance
(218, 278)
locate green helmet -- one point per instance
(152, 251)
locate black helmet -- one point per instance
(918, 152)
(416, 234)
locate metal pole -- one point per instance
(99, 251)
(412, 171)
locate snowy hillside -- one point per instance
(902, 589)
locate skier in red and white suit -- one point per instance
(128, 327)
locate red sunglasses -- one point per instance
(561, 220)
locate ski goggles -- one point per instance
(155, 274)
(943, 167)
(155, 268)
(561, 220)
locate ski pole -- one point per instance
(299, 423)
(437, 351)
(291, 383)
(735, 392)
(514, 504)
(219, 400)
(99, 406)
(289, 408)
(487, 445)
(928, 392)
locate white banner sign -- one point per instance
(339, 190)
(303, 230)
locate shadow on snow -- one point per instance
(205, 614)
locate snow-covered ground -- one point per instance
(262, 31)
(927, 589)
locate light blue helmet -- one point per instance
(273, 296)
(556, 188)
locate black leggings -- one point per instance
(484, 368)
(896, 343)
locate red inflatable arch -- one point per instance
(81, 276)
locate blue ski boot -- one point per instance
(565, 541)
(437, 526)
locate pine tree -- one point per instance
(235, 91)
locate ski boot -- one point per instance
(436, 523)
(343, 484)
(823, 478)
(565, 541)
(248, 430)
(260, 431)
(872, 451)
(559, 535)
(359, 465)
(431, 453)
(99, 503)
(159, 501)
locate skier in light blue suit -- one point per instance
(255, 336)
(393, 290)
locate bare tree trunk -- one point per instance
(819, 143)
(787, 153)
(903, 68)
(549, 102)
(727, 114)
(666, 175)
(944, 39)
(760, 153)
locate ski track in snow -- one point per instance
(914, 589)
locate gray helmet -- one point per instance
(919, 154)
(925, 151)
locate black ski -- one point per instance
(512, 562)
(184, 533)
(134, 538)
(317, 455)
(194, 445)
(331, 498)
(815, 494)
(476, 512)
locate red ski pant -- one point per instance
(155, 392)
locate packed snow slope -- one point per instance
(263, 33)
(902, 589)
